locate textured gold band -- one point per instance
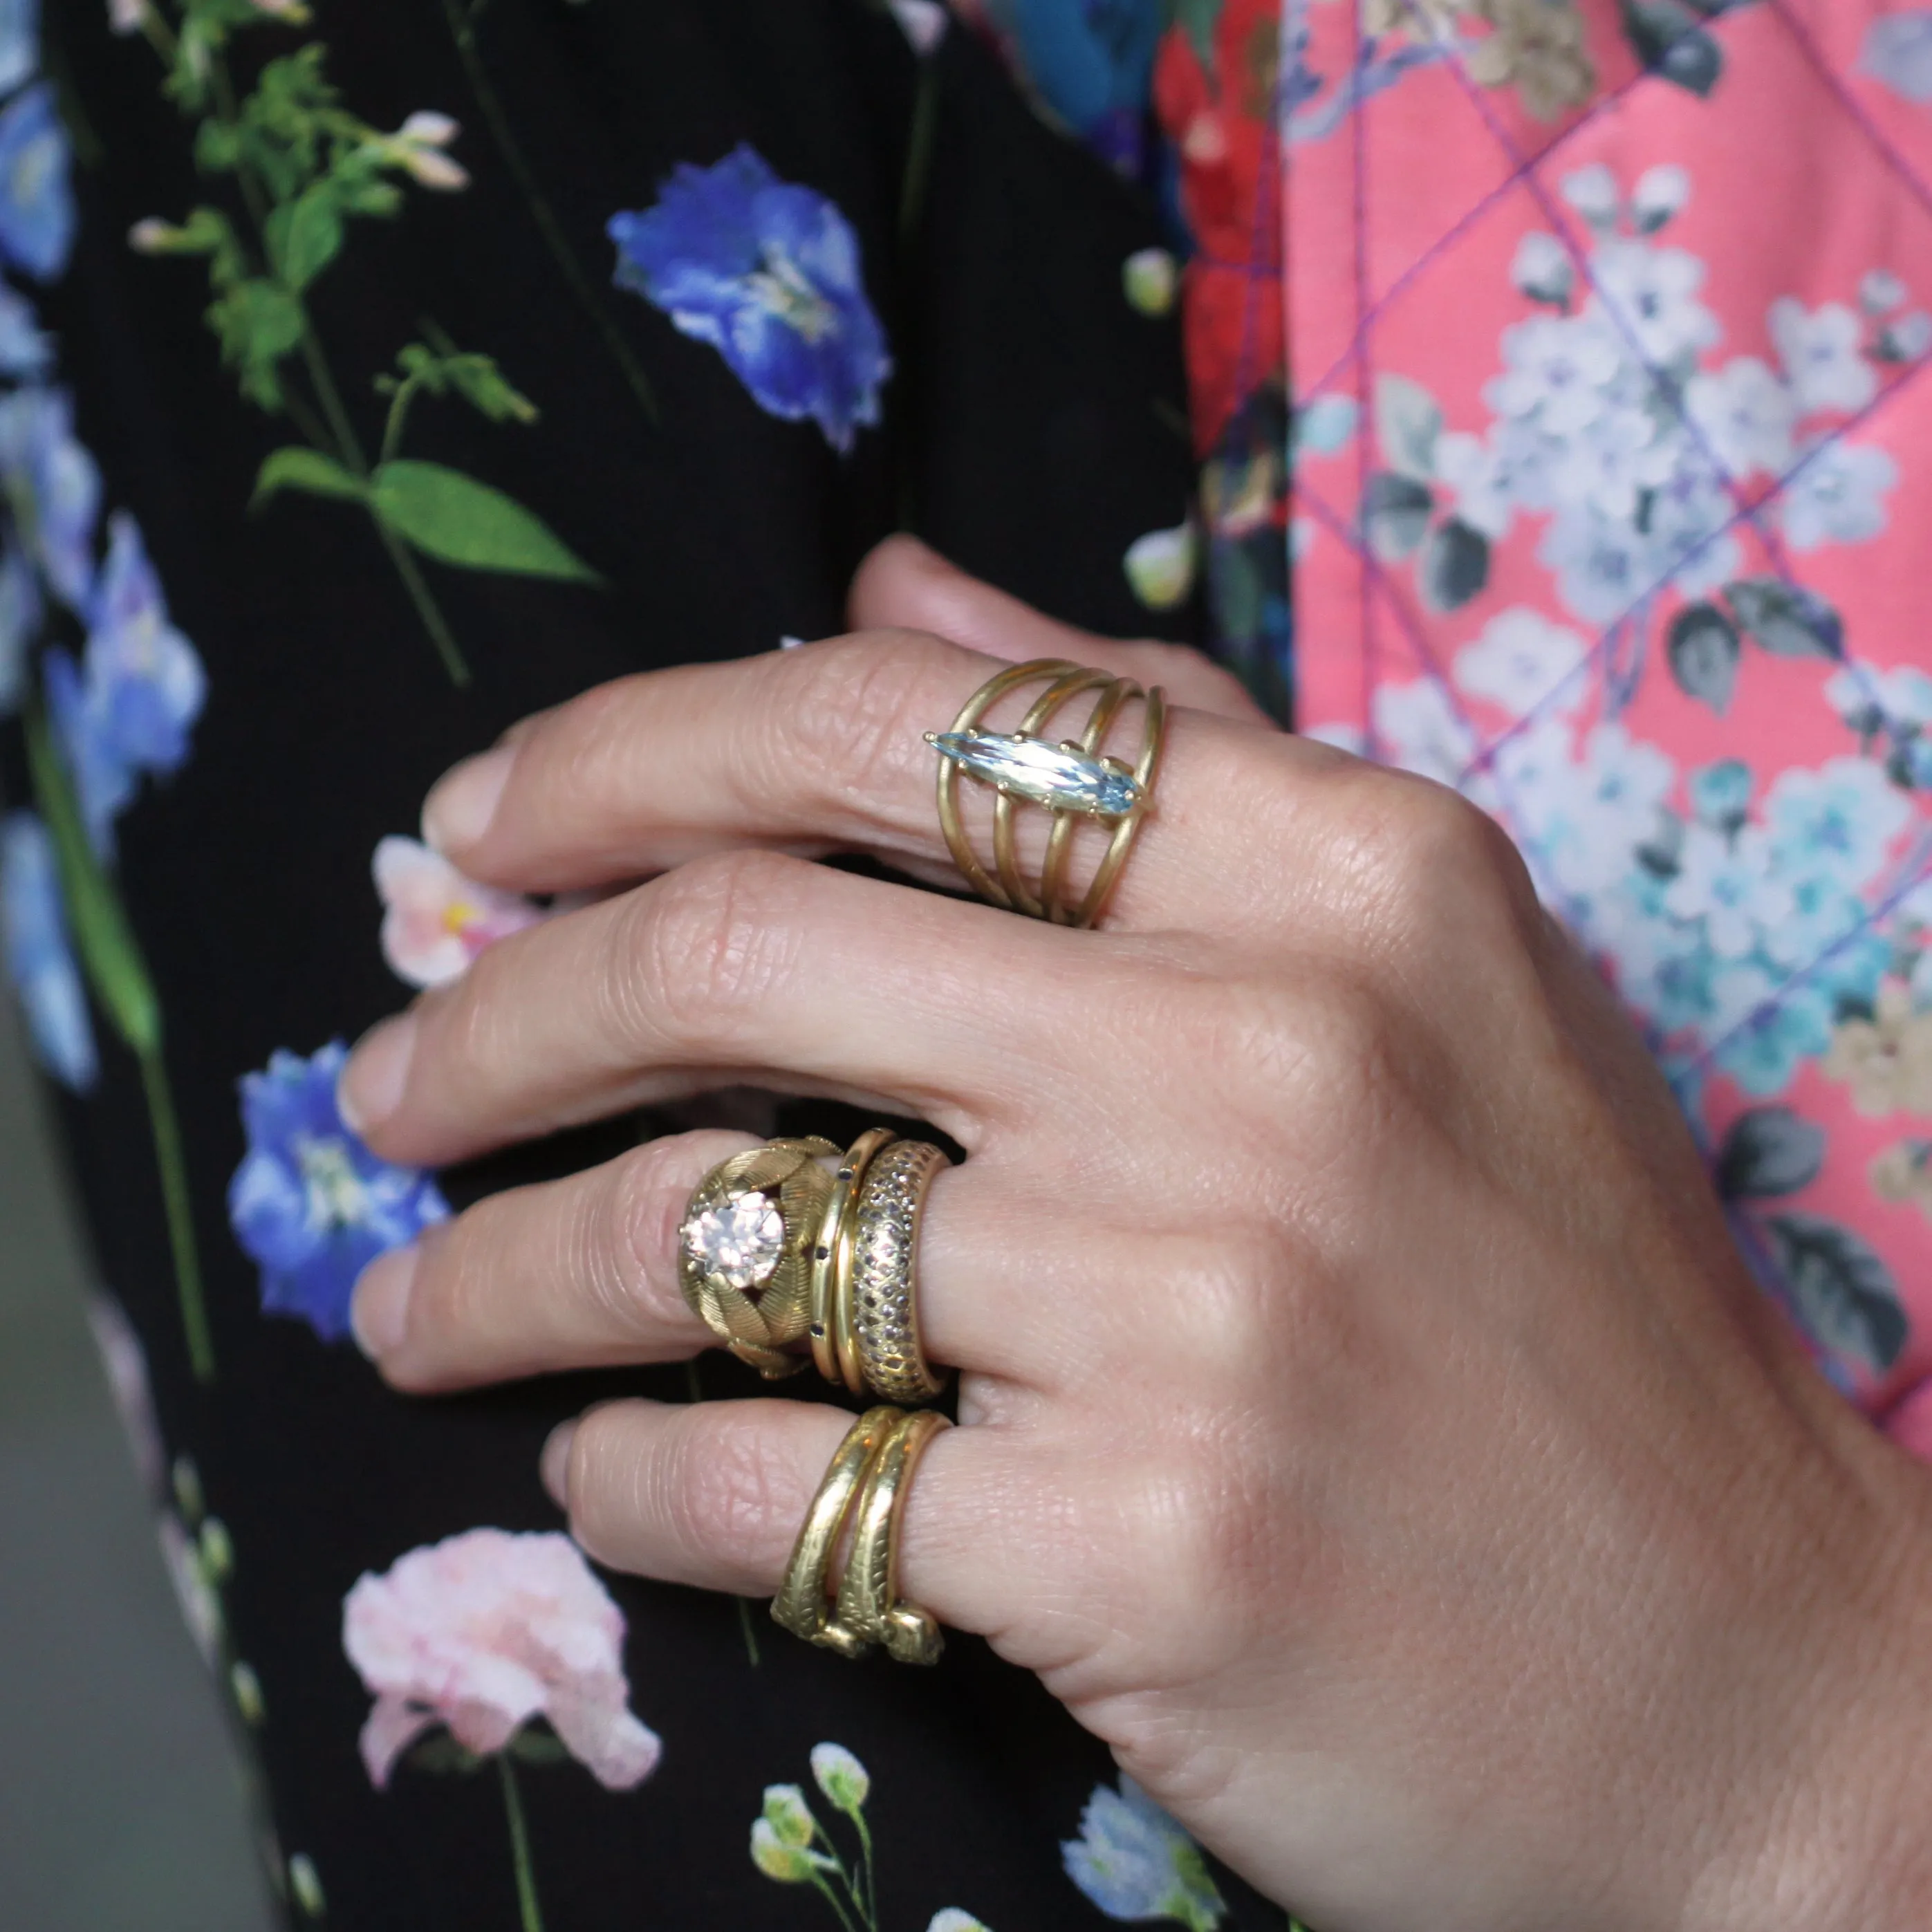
(869, 1602)
(866, 1483)
(803, 1604)
(746, 1248)
(1071, 781)
(884, 1290)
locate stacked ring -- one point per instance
(1073, 779)
(747, 1246)
(778, 1246)
(883, 1288)
(834, 1348)
(866, 1486)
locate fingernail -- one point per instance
(378, 1311)
(462, 803)
(371, 1086)
(555, 1466)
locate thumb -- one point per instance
(904, 585)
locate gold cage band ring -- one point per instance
(747, 1246)
(1071, 779)
(865, 1485)
(884, 1281)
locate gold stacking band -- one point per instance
(1073, 779)
(865, 1487)
(793, 1241)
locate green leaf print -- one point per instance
(456, 519)
(296, 468)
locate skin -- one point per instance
(1369, 1429)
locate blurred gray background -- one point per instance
(119, 1806)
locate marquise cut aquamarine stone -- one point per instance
(1050, 775)
(740, 1242)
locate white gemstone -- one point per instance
(1053, 776)
(741, 1242)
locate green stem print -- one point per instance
(111, 957)
(532, 1913)
(463, 16)
(304, 169)
(790, 1845)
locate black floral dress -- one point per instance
(374, 375)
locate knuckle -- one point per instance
(702, 946)
(589, 747)
(473, 1022)
(846, 720)
(727, 1491)
(1422, 860)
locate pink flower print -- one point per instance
(483, 1632)
(434, 920)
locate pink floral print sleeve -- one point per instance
(1609, 494)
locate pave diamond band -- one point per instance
(1074, 780)
(885, 1273)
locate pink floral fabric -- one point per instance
(485, 1632)
(1611, 497)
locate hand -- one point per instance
(1370, 1430)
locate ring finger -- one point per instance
(582, 1272)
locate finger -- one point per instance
(821, 749)
(576, 1273)
(713, 1494)
(746, 969)
(905, 585)
(583, 1273)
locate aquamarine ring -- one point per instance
(1074, 779)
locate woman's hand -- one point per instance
(1371, 1432)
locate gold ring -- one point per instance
(866, 1483)
(803, 1604)
(869, 1603)
(884, 1286)
(1073, 779)
(833, 1347)
(746, 1245)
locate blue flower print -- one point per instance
(126, 710)
(20, 42)
(53, 486)
(311, 1205)
(1135, 1863)
(103, 782)
(767, 272)
(25, 350)
(39, 958)
(150, 683)
(37, 211)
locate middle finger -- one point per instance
(745, 969)
(583, 1273)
